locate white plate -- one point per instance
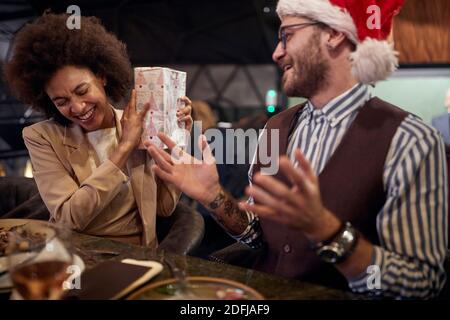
(36, 226)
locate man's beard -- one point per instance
(312, 75)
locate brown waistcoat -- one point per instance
(351, 185)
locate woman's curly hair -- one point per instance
(43, 47)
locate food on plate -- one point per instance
(25, 238)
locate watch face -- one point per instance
(340, 247)
(328, 255)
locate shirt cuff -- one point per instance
(364, 282)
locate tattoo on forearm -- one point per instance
(228, 207)
(217, 201)
(227, 213)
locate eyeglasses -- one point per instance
(282, 32)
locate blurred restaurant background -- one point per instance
(226, 49)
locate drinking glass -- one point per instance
(38, 261)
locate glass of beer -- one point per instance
(38, 260)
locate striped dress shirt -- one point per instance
(412, 225)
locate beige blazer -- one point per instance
(75, 195)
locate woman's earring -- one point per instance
(330, 47)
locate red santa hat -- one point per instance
(366, 23)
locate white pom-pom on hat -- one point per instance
(373, 61)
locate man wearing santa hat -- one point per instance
(359, 201)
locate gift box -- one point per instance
(162, 88)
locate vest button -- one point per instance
(287, 248)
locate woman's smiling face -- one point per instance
(79, 96)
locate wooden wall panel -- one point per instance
(422, 32)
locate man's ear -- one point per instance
(334, 38)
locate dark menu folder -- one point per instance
(113, 279)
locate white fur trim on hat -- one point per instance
(373, 61)
(323, 11)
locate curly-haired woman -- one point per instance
(89, 172)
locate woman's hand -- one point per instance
(184, 114)
(131, 131)
(132, 123)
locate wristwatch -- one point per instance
(340, 246)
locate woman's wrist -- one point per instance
(121, 154)
(125, 147)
